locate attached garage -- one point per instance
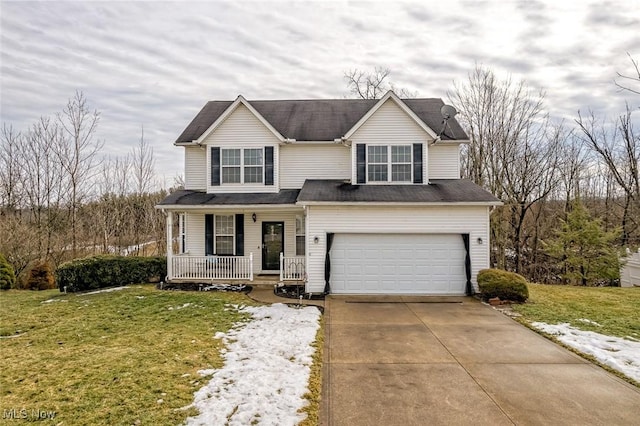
(430, 264)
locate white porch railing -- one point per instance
(212, 267)
(292, 268)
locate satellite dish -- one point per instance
(448, 112)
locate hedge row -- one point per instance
(108, 271)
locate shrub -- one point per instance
(96, 272)
(7, 274)
(502, 284)
(40, 277)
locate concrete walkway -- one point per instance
(408, 361)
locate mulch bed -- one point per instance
(295, 291)
(243, 288)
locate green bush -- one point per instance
(502, 284)
(40, 277)
(7, 274)
(96, 272)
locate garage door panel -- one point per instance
(398, 264)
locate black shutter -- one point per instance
(268, 165)
(239, 235)
(215, 166)
(417, 163)
(361, 162)
(208, 234)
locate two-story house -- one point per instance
(350, 196)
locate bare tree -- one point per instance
(513, 152)
(143, 164)
(77, 153)
(618, 146)
(631, 82)
(373, 85)
(10, 176)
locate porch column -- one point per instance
(169, 245)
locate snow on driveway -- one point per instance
(266, 369)
(620, 354)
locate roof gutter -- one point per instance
(400, 203)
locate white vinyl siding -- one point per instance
(444, 161)
(242, 130)
(299, 162)
(195, 234)
(395, 220)
(390, 125)
(195, 164)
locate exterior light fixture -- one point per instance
(479, 240)
(254, 217)
(316, 240)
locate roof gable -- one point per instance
(240, 100)
(390, 96)
(318, 119)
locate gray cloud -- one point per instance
(156, 63)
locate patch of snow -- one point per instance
(54, 300)
(139, 297)
(588, 321)
(106, 290)
(620, 354)
(266, 369)
(186, 305)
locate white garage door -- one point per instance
(398, 264)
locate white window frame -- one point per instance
(389, 164)
(242, 166)
(301, 232)
(216, 234)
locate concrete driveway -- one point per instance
(410, 361)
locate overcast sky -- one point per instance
(157, 63)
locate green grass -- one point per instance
(106, 359)
(314, 394)
(615, 309)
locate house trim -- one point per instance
(403, 107)
(239, 100)
(399, 203)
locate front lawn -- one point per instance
(122, 357)
(600, 323)
(615, 310)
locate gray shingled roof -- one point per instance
(438, 191)
(337, 191)
(199, 198)
(320, 119)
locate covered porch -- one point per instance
(224, 239)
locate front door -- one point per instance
(272, 245)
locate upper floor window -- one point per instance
(242, 165)
(389, 163)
